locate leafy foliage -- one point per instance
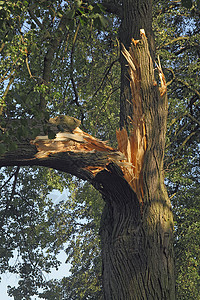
(65, 54)
(83, 251)
(177, 37)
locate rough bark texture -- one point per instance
(137, 240)
(137, 14)
(77, 153)
(137, 223)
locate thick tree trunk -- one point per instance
(137, 223)
(137, 226)
(137, 14)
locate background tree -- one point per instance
(55, 61)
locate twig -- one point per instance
(54, 42)
(76, 100)
(188, 86)
(180, 38)
(176, 119)
(104, 77)
(193, 119)
(11, 196)
(14, 183)
(187, 139)
(34, 17)
(173, 76)
(2, 46)
(5, 94)
(29, 71)
(7, 180)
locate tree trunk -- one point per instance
(137, 223)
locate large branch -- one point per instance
(77, 153)
(84, 156)
(54, 42)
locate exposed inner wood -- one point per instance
(78, 141)
(131, 146)
(134, 145)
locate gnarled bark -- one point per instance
(137, 223)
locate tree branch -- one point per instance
(187, 139)
(35, 19)
(174, 78)
(2, 46)
(180, 38)
(193, 119)
(11, 196)
(14, 183)
(76, 100)
(113, 8)
(188, 86)
(11, 176)
(104, 77)
(54, 42)
(76, 153)
(5, 94)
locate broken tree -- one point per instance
(137, 223)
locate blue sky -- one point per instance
(10, 279)
(63, 270)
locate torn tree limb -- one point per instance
(78, 141)
(134, 142)
(77, 153)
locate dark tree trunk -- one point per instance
(137, 238)
(137, 14)
(137, 223)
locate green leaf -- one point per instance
(2, 148)
(24, 122)
(187, 3)
(33, 26)
(51, 134)
(12, 146)
(60, 13)
(1, 4)
(78, 3)
(83, 20)
(35, 132)
(103, 21)
(70, 14)
(98, 8)
(33, 47)
(22, 132)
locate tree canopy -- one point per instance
(65, 56)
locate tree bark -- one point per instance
(137, 223)
(137, 14)
(137, 227)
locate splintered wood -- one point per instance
(134, 146)
(76, 142)
(141, 72)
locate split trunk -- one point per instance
(137, 223)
